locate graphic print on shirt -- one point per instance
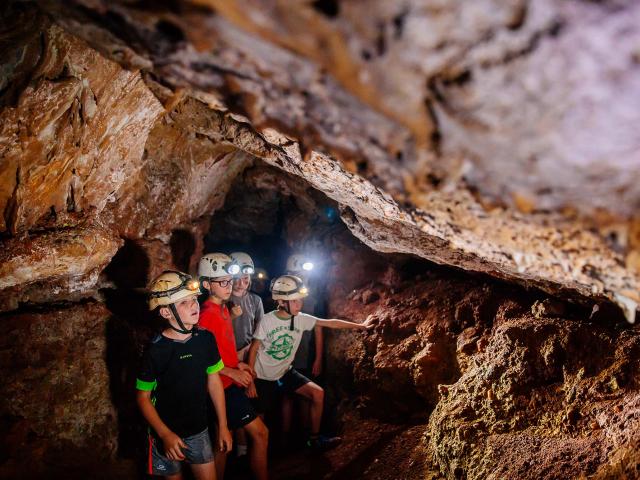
(281, 347)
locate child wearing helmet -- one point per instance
(308, 358)
(179, 369)
(273, 349)
(216, 272)
(246, 313)
(248, 304)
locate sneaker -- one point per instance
(322, 443)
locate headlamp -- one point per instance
(308, 266)
(300, 288)
(260, 275)
(247, 270)
(232, 268)
(186, 282)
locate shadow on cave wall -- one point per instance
(127, 330)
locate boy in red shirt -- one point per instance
(216, 272)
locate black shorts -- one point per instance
(270, 391)
(240, 412)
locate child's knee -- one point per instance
(318, 394)
(260, 432)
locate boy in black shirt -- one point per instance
(179, 368)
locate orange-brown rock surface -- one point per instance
(124, 126)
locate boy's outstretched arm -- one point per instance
(216, 391)
(343, 324)
(173, 444)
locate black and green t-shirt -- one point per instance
(176, 372)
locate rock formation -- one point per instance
(481, 164)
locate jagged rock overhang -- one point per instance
(451, 229)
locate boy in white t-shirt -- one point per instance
(273, 349)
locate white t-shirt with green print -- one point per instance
(279, 343)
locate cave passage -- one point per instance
(463, 174)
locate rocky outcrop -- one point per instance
(519, 390)
(57, 412)
(532, 404)
(124, 127)
(453, 229)
(524, 100)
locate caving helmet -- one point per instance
(215, 265)
(298, 263)
(170, 287)
(245, 262)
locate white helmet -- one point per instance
(170, 287)
(214, 265)
(288, 287)
(245, 262)
(299, 263)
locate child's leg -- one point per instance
(204, 471)
(241, 442)
(259, 434)
(220, 460)
(315, 393)
(287, 414)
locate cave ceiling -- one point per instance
(121, 120)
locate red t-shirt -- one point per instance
(217, 319)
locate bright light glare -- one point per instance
(307, 266)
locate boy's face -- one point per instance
(295, 306)
(221, 287)
(188, 309)
(241, 285)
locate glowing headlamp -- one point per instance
(232, 268)
(247, 270)
(260, 275)
(303, 290)
(308, 266)
(186, 283)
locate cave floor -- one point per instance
(375, 451)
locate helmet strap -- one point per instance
(288, 310)
(182, 328)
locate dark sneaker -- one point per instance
(322, 443)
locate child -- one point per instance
(248, 310)
(216, 272)
(179, 367)
(276, 340)
(246, 313)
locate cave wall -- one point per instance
(123, 128)
(504, 383)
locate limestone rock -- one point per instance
(53, 265)
(76, 132)
(56, 399)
